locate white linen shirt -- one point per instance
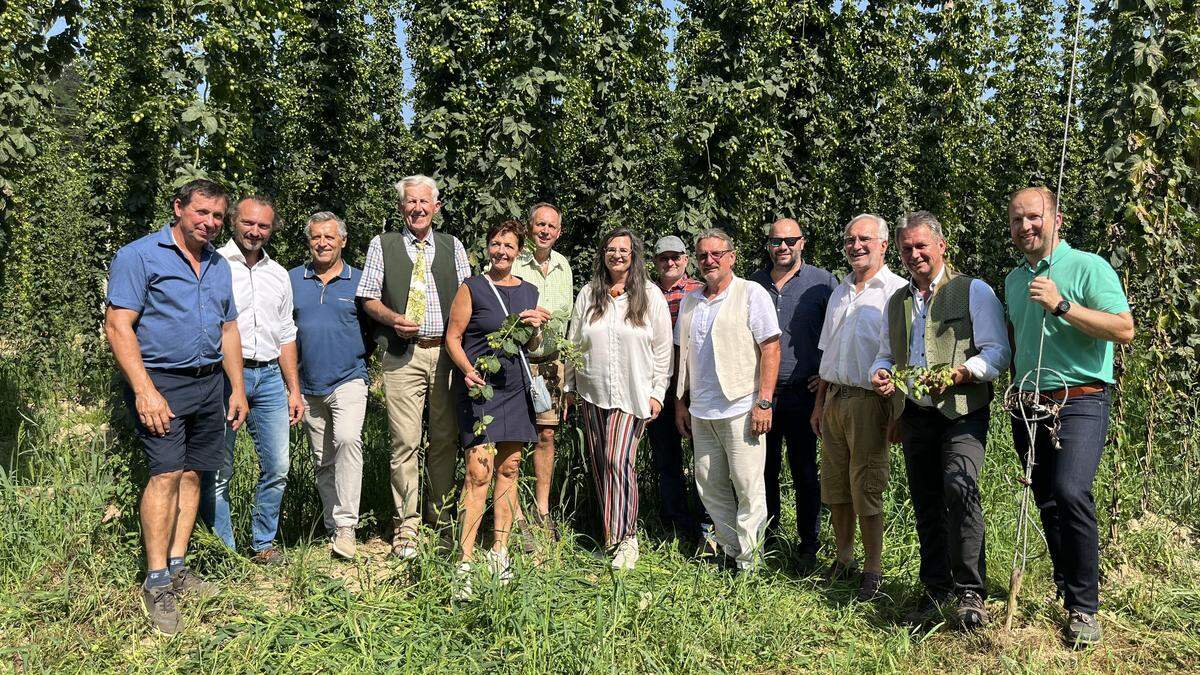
(624, 366)
(853, 323)
(706, 400)
(263, 295)
(987, 328)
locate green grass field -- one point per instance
(70, 563)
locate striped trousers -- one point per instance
(612, 438)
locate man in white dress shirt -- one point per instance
(728, 338)
(263, 294)
(849, 417)
(944, 318)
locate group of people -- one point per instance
(213, 339)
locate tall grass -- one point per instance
(70, 561)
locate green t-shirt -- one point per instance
(1083, 279)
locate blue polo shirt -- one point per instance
(800, 306)
(329, 329)
(179, 314)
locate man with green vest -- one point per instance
(408, 282)
(943, 318)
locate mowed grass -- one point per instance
(70, 564)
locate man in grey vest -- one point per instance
(943, 318)
(408, 282)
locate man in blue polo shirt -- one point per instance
(800, 293)
(333, 373)
(1066, 308)
(172, 325)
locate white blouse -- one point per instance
(624, 366)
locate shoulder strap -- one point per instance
(520, 348)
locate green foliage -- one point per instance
(919, 381)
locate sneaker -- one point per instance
(498, 565)
(868, 588)
(160, 605)
(840, 571)
(344, 543)
(268, 557)
(187, 582)
(462, 583)
(626, 555)
(930, 609)
(1082, 630)
(971, 613)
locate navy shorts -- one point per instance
(196, 440)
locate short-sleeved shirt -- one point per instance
(1083, 279)
(800, 307)
(556, 292)
(853, 324)
(371, 286)
(675, 293)
(329, 329)
(179, 314)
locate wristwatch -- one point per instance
(1061, 308)
(765, 404)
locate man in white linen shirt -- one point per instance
(851, 419)
(944, 318)
(728, 338)
(263, 294)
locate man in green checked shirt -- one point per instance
(551, 273)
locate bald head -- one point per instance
(785, 243)
(786, 227)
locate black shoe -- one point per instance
(806, 564)
(971, 613)
(868, 588)
(840, 571)
(1082, 630)
(160, 605)
(930, 609)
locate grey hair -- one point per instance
(325, 217)
(411, 181)
(880, 223)
(921, 219)
(543, 205)
(714, 233)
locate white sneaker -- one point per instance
(462, 583)
(343, 543)
(497, 562)
(626, 555)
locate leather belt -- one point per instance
(1072, 392)
(198, 371)
(848, 391)
(251, 363)
(426, 343)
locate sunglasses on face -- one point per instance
(776, 242)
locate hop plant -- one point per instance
(919, 381)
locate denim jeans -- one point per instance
(790, 424)
(268, 426)
(1062, 489)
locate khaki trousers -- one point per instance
(729, 462)
(334, 423)
(421, 375)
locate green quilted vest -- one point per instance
(949, 340)
(397, 274)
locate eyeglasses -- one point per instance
(617, 251)
(713, 255)
(851, 241)
(776, 242)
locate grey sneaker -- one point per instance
(1082, 630)
(187, 582)
(160, 605)
(971, 613)
(343, 543)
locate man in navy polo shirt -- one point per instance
(333, 373)
(801, 293)
(172, 324)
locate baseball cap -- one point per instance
(669, 244)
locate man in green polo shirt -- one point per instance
(1066, 309)
(550, 272)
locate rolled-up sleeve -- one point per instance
(127, 281)
(370, 285)
(990, 333)
(764, 324)
(287, 322)
(883, 358)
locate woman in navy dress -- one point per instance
(475, 313)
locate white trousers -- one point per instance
(334, 424)
(729, 464)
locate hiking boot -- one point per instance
(343, 543)
(1082, 630)
(868, 587)
(806, 564)
(840, 571)
(626, 555)
(187, 582)
(971, 613)
(160, 605)
(930, 609)
(268, 557)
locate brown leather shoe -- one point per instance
(269, 557)
(868, 588)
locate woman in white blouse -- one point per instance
(623, 329)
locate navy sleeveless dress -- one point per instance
(510, 407)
